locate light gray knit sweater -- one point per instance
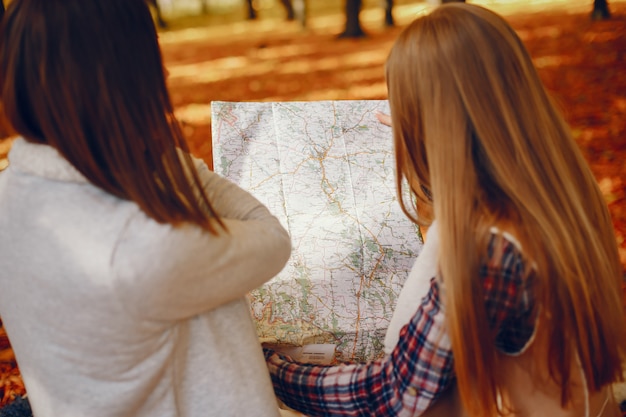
(112, 314)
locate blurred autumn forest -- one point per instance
(222, 56)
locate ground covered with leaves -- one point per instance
(225, 58)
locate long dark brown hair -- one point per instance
(475, 129)
(86, 77)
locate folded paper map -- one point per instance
(326, 170)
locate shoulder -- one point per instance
(504, 252)
(504, 270)
(508, 285)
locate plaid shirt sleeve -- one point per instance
(419, 369)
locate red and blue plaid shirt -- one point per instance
(421, 367)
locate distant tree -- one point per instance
(353, 28)
(287, 4)
(600, 10)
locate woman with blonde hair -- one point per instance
(524, 316)
(125, 261)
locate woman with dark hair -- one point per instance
(524, 315)
(125, 261)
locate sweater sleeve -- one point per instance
(421, 366)
(229, 200)
(167, 272)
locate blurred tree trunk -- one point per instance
(389, 13)
(353, 27)
(289, 9)
(353, 24)
(1, 9)
(600, 10)
(287, 4)
(251, 10)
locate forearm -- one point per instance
(405, 383)
(345, 390)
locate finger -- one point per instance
(383, 118)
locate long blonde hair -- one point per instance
(481, 144)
